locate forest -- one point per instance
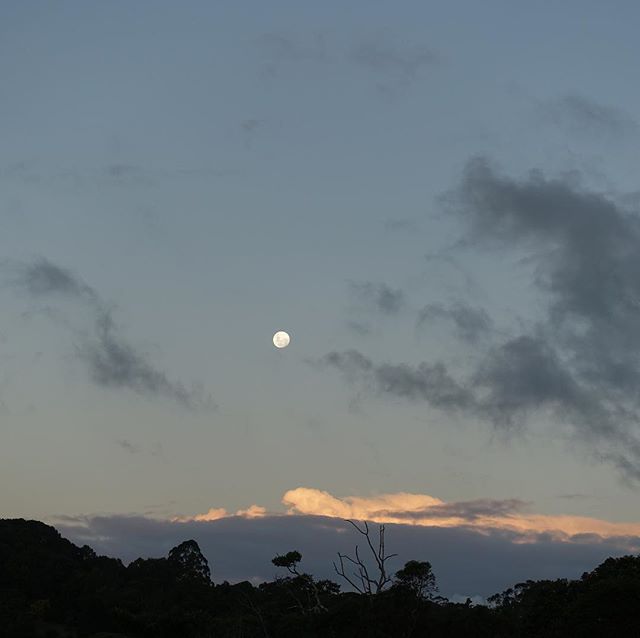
(51, 588)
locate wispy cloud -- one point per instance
(111, 360)
(428, 382)
(377, 296)
(391, 59)
(470, 324)
(285, 47)
(391, 62)
(401, 225)
(114, 363)
(127, 446)
(43, 277)
(579, 114)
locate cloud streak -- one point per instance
(111, 360)
(394, 63)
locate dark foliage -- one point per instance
(49, 587)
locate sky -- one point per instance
(438, 201)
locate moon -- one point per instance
(281, 339)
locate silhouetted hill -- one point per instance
(50, 587)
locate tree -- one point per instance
(418, 578)
(290, 562)
(360, 579)
(190, 562)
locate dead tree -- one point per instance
(360, 578)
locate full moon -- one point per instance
(281, 339)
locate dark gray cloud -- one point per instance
(522, 375)
(470, 324)
(426, 382)
(581, 362)
(111, 360)
(586, 255)
(115, 363)
(377, 296)
(465, 561)
(579, 114)
(45, 278)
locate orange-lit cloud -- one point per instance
(428, 511)
(255, 511)
(216, 513)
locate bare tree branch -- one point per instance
(368, 585)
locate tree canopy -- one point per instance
(50, 587)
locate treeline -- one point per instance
(52, 588)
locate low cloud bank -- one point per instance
(477, 548)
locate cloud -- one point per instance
(523, 375)
(580, 114)
(359, 327)
(427, 382)
(278, 50)
(580, 362)
(394, 64)
(380, 54)
(429, 511)
(470, 324)
(132, 448)
(401, 225)
(468, 556)
(216, 513)
(377, 296)
(111, 360)
(304, 500)
(585, 250)
(472, 510)
(114, 363)
(42, 277)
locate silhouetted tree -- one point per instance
(418, 578)
(49, 587)
(290, 562)
(190, 562)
